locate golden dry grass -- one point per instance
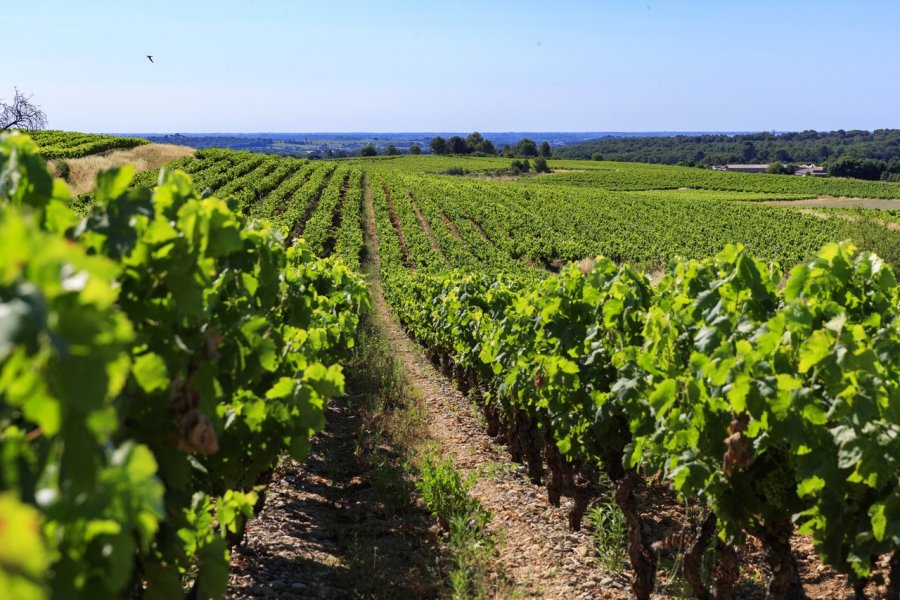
(834, 202)
(83, 171)
(586, 265)
(822, 215)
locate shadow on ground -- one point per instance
(332, 528)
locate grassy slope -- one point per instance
(82, 172)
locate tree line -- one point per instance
(855, 153)
(474, 144)
(477, 145)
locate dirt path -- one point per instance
(327, 529)
(326, 532)
(538, 552)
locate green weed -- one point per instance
(446, 494)
(610, 535)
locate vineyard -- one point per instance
(635, 335)
(180, 347)
(630, 176)
(621, 176)
(68, 144)
(767, 395)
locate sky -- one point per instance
(316, 66)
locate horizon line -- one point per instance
(486, 132)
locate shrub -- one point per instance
(520, 166)
(541, 166)
(62, 169)
(776, 168)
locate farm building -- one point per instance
(811, 169)
(803, 170)
(743, 168)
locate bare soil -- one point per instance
(324, 532)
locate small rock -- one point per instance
(258, 590)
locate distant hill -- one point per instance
(334, 145)
(798, 147)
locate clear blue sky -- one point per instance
(612, 65)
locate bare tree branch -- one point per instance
(21, 114)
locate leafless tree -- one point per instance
(21, 113)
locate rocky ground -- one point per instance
(325, 533)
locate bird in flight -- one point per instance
(150, 58)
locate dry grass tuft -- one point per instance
(83, 171)
(656, 276)
(586, 265)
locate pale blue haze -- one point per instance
(421, 66)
